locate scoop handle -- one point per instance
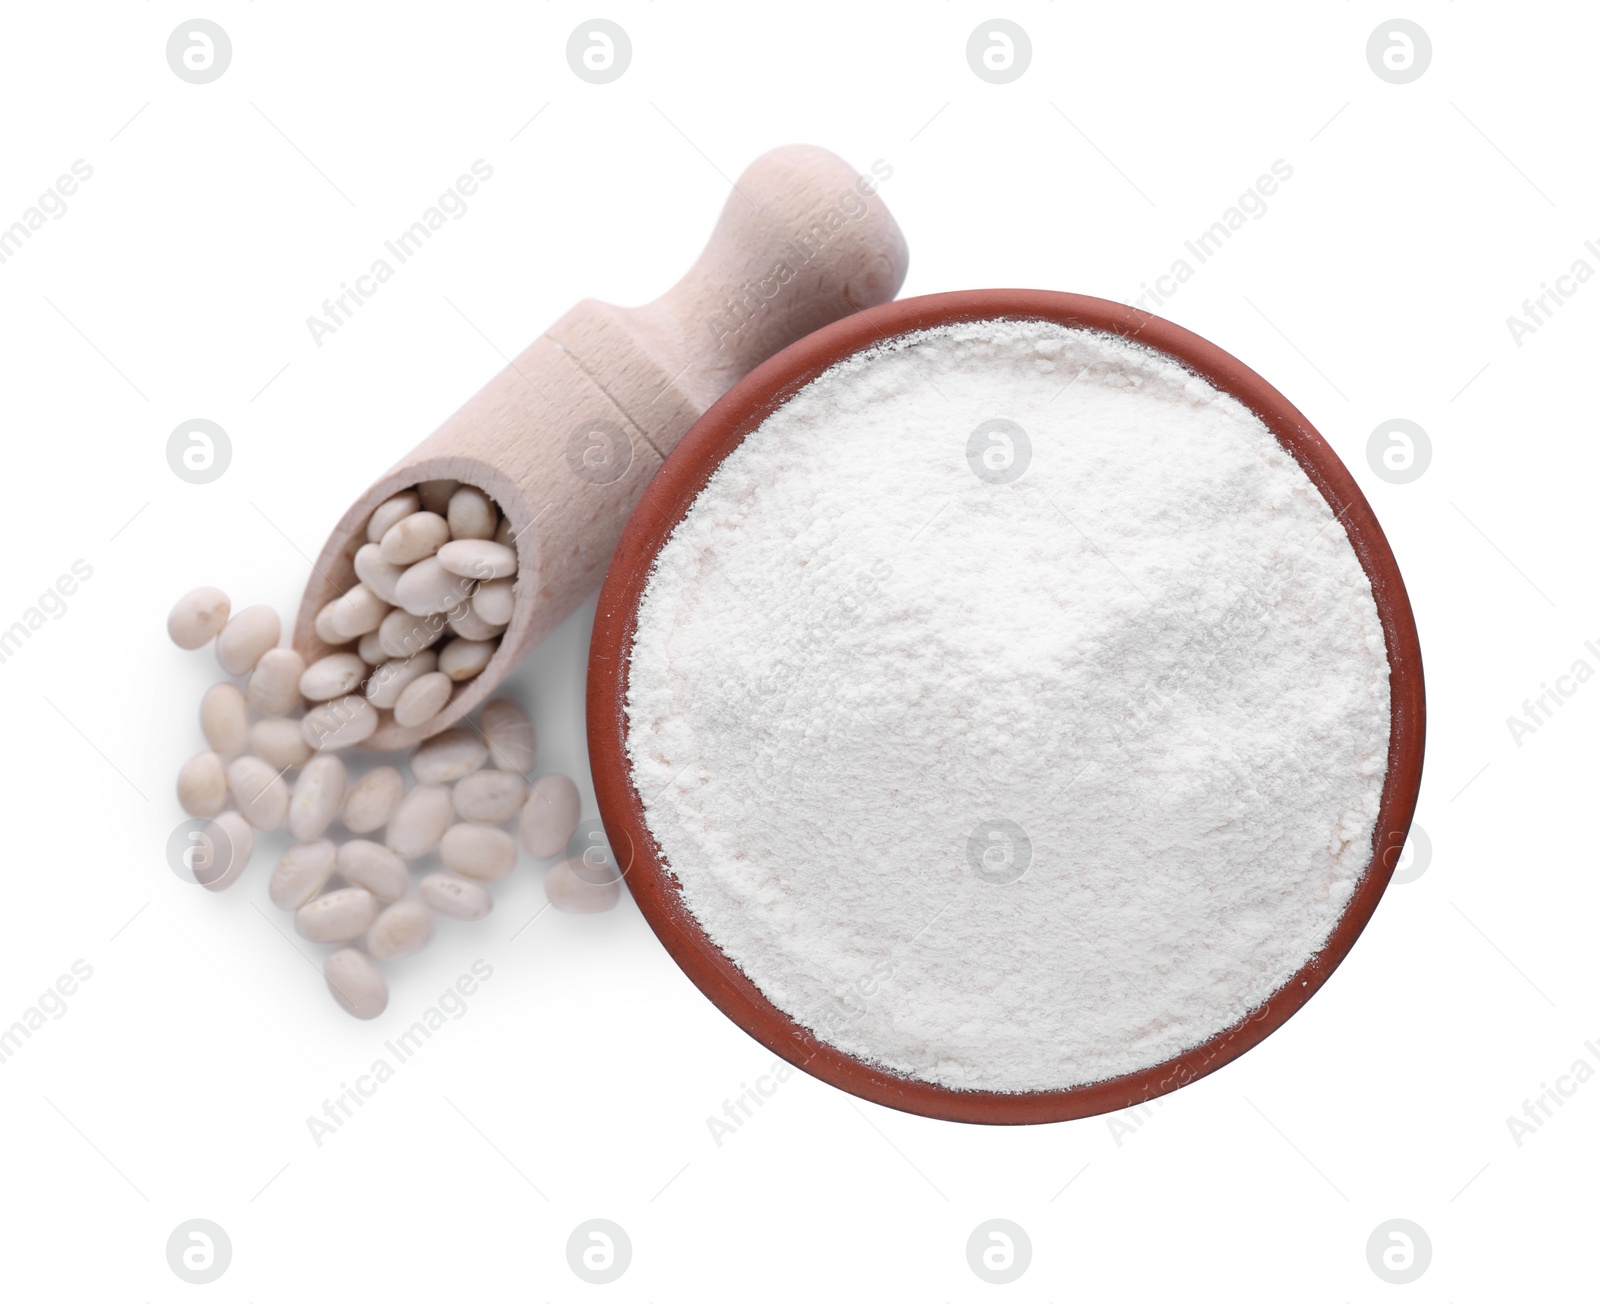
(802, 241)
(565, 438)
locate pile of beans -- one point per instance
(270, 763)
(432, 598)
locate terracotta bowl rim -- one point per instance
(668, 497)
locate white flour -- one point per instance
(868, 686)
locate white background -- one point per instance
(579, 1081)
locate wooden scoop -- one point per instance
(566, 437)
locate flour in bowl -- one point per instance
(1011, 708)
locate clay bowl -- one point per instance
(668, 498)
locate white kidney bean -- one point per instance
(225, 719)
(370, 649)
(392, 678)
(478, 851)
(428, 587)
(359, 611)
(343, 722)
(414, 537)
(203, 785)
(386, 513)
(318, 794)
(259, 792)
(448, 756)
(493, 602)
(478, 559)
(246, 637)
(549, 816)
(465, 622)
(436, 494)
(374, 867)
(422, 699)
(323, 625)
(567, 889)
(356, 984)
(337, 917)
(377, 574)
(403, 635)
(302, 872)
(279, 743)
(402, 929)
(510, 736)
(460, 898)
(228, 843)
(489, 796)
(419, 821)
(197, 617)
(333, 676)
(373, 799)
(464, 658)
(274, 687)
(471, 514)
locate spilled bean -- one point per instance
(274, 687)
(356, 983)
(402, 929)
(203, 785)
(279, 743)
(374, 867)
(511, 739)
(244, 638)
(337, 917)
(302, 872)
(259, 792)
(225, 719)
(318, 794)
(460, 898)
(479, 851)
(489, 796)
(197, 618)
(549, 816)
(373, 799)
(420, 821)
(448, 756)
